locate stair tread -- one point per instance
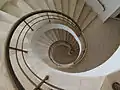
(37, 4)
(58, 5)
(79, 6)
(8, 18)
(51, 4)
(5, 27)
(51, 36)
(2, 2)
(65, 6)
(43, 41)
(72, 4)
(24, 6)
(84, 14)
(57, 34)
(12, 9)
(89, 20)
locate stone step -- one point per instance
(84, 14)
(78, 9)
(24, 6)
(90, 18)
(37, 4)
(12, 9)
(2, 2)
(58, 5)
(65, 6)
(51, 4)
(72, 5)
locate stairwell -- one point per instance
(92, 73)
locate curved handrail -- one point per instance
(17, 82)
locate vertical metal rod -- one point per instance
(41, 83)
(19, 49)
(29, 26)
(48, 17)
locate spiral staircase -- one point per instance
(47, 47)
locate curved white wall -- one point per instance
(110, 66)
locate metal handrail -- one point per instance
(102, 5)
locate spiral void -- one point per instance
(58, 45)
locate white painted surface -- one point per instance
(84, 14)
(51, 4)
(78, 9)
(110, 5)
(37, 4)
(65, 7)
